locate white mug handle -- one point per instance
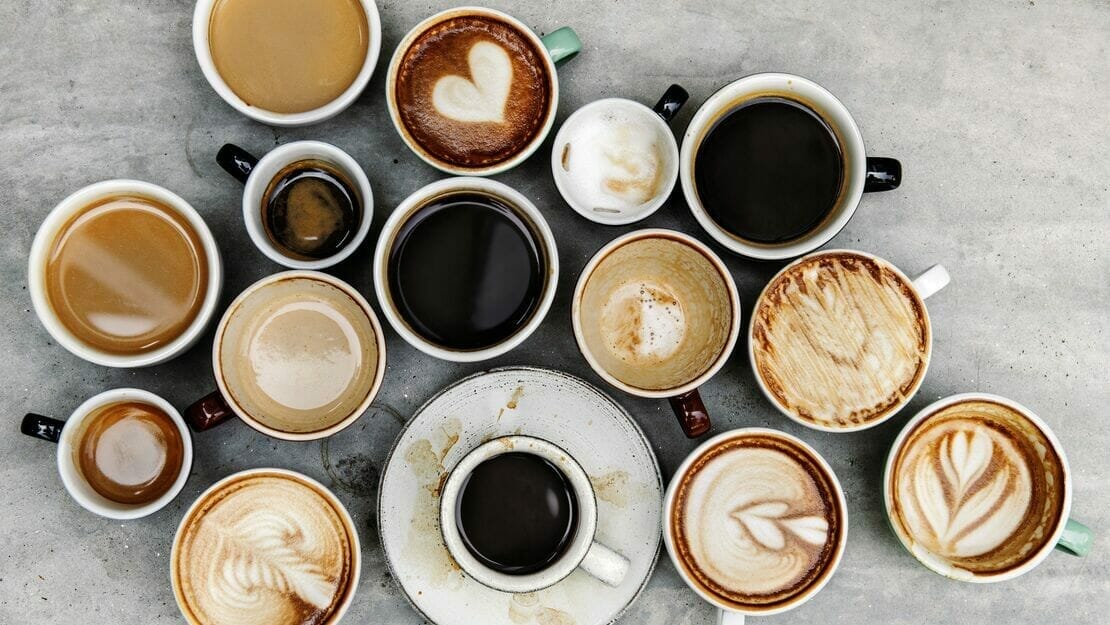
(605, 564)
(728, 617)
(931, 280)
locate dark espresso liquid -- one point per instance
(769, 171)
(310, 210)
(466, 271)
(516, 513)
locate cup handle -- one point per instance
(605, 564)
(562, 44)
(728, 617)
(1076, 539)
(43, 428)
(208, 411)
(883, 174)
(931, 280)
(236, 161)
(691, 413)
(668, 105)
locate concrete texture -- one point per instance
(998, 110)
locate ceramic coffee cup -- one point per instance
(581, 549)
(112, 258)
(615, 161)
(473, 91)
(202, 18)
(138, 446)
(978, 489)
(840, 340)
(656, 314)
(859, 173)
(299, 355)
(258, 175)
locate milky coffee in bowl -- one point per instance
(840, 340)
(755, 522)
(265, 546)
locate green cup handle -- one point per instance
(562, 44)
(1076, 539)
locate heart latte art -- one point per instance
(482, 98)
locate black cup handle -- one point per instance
(673, 99)
(883, 174)
(236, 161)
(45, 428)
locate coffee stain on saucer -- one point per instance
(424, 458)
(526, 609)
(514, 400)
(612, 487)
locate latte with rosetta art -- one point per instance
(266, 548)
(473, 91)
(840, 340)
(758, 522)
(978, 486)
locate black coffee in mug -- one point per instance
(310, 210)
(517, 513)
(466, 271)
(769, 171)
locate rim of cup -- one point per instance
(935, 564)
(394, 111)
(906, 398)
(640, 213)
(668, 513)
(262, 174)
(77, 486)
(78, 201)
(851, 146)
(651, 233)
(202, 15)
(229, 398)
(420, 198)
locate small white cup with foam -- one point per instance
(615, 161)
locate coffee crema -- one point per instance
(310, 210)
(130, 452)
(265, 549)
(756, 522)
(840, 339)
(127, 275)
(473, 91)
(978, 486)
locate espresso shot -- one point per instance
(310, 210)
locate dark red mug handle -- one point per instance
(208, 411)
(691, 413)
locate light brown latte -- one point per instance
(265, 548)
(757, 522)
(840, 340)
(978, 487)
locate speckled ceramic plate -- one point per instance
(538, 402)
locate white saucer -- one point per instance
(538, 402)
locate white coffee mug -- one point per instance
(256, 175)
(66, 433)
(583, 551)
(61, 215)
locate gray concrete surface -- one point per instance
(998, 109)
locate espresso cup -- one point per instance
(615, 161)
(265, 546)
(202, 25)
(465, 269)
(656, 314)
(978, 489)
(755, 522)
(857, 173)
(473, 91)
(578, 549)
(840, 340)
(298, 356)
(260, 175)
(146, 467)
(128, 296)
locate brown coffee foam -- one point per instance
(820, 500)
(443, 50)
(1015, 495)
(841, 339)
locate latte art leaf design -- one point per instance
(765, 523)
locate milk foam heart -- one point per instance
(483, 97)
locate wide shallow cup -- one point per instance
(202, 17)
(60, 216)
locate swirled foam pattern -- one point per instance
(266, 549)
